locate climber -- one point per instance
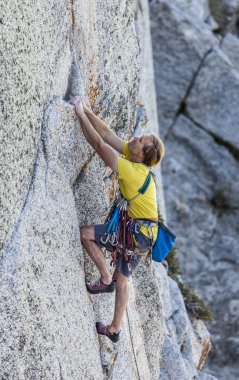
(149, 150)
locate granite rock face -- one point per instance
(197, 9)
(53, 182)
(230, 46)
(186, 344)
(34, 67)
(200, 169)
(215, 91)
(42, 272)
(207, 237)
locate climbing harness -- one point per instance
(121, 230)
(121, 227)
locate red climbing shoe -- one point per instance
(103, 330)
(100, 287)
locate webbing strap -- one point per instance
(145, 186)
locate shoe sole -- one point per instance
(113, 338)
(107, 290)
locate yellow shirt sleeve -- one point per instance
(126, 150)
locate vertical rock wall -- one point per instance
(35, 63)
(53, 182)
(47, 320)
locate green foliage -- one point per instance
(215, 11)
(195, 306)
(160, 218)
(213, 6)
(173, 265)
(220, 200)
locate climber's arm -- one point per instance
(105, 151)
(104, 130)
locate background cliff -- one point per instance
(196, 65)
(52, 182)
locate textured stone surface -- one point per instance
(179, 45)
(42, 272)
(186, 344)
(215, 91)
(230, 46)
(204, 376)
(45, 247)
(34, 66)
(149, 304)
(197, 9)
(33, 73)
(111, 70)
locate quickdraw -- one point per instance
(120, 229)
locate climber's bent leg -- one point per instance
(96, 254)
(121, 300)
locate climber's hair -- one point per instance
(153, 153)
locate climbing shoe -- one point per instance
(100, 287)
(103, 330)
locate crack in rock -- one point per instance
(218, 140)
(182, 106)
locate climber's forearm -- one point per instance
(107, 154)
(105, 132)
(102, 128)
(89, 132)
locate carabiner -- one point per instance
(129, 267)
(107, 238)
(113, 239)
(136, 228)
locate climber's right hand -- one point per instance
(86, 107)
(77, 103)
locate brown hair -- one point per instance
(153, 153)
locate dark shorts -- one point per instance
(143, 245)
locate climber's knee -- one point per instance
(87, 233)
(121, 281)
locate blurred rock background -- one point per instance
(195, 49)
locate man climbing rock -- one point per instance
(132, 166)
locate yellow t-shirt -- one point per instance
(132, 176)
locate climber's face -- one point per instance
(137, 145)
